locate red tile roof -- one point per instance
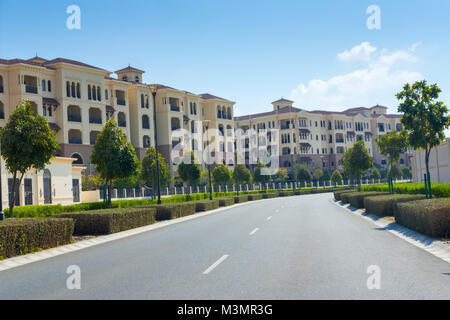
(207, 96)
(129, 68)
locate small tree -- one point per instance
(318, 173)
(392, 145)
(258, 177)
(336, 177)
(395, 172)
(26, 142)
(407, 172)
(374, 173)
(91, 182)
(424, 118)
(281, 175)
(326, 176)
(189, 169)
(303, 173)
(221, 174)
(113, 156)
(241, 175)
(148, 169)
(356, 161)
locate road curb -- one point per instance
(429, 244)
(53, 252)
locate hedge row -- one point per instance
(430, 216)
(206, 205)
(253, 197)
(109, 221)
(384, 205)
(169, 211)
(22, 236)
(270, 195)
(241, 198)
(356, 199)
(225, 202)
(440, 190)
(337, 194)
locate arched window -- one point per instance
(1, 84)
(194, 144)
(68, 89)
(219, 113)
(78, 91)
(99, 94)
(146, 141)
(106, 94)
(145, 122)
(73, 89)
(79, 159)
(175, 123)
(137, 79)
(2, 110)
(74, 113)
(49, 86)
(229, 113)
(142, 101)
(94, 93)
(75, 136)
(43, 85)
(95, 115)
(89, 92)
(121, 119)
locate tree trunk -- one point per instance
(109, 186)
(12, 195)
(427, 160)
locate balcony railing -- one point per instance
(31, 89)
(122, 124)
(174, 108)
(121, 102)
(75, 141)
(145, 126)
(175, 128)
(74, 118)
(95, 120)
(339, 140)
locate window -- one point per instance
(106, 94)
(68, 89)
(49, 86)
(43, 85)
(89, 92)
(145, 122)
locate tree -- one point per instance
(318, 173)
(392, 145)
(26, 142)
(374, 173)
(395, 172)
(113, 156)
(148, 169)
(241, 175)
(336, 177)
(189, 169)
(407, 172)
(281, 175)
(221, 174)
(258, 177)
(326, 176)
(356, 161)
(90, 182)
(303, 173)
(424, 118)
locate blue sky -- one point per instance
(319, 53)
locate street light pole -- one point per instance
(209, 165)
(156, 145)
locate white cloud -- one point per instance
(377, 82)
(359, 52)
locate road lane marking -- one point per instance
(215, 264)
(254, 231)
(268, 218)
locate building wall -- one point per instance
(438, 164)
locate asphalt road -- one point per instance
(302, 247)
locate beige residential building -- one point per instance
(319, 138)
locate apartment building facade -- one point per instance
(77, 99)
(319, 138)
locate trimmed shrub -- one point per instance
(35, 211)
(225, 202)
(356, 199)
(253, 197)
(384, 205)
(286, 193)
(169, 211)
(337, 194)
(270, 195)
(440, 190)
(206, 205)
(109, 221)
(430, 216)
(22, 236)
(241, 198)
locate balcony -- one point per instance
(74, 118)
(174, 108)
(31, 89)
(95, 120)
(339, 140)
(175, 128)
(121, 102)
(75, 141)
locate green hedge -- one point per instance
(431, 216)
(206, 205)
(337, 194)
(109, 221)
(440, 190)
(22, 236)
(169, 211)
(286, 193)
(356, 199)
(270, 195)
(241, 198)
(226, 201)
(253, 197)
(384, 205)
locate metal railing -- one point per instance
(121, 102)
(74, 118)
(31, 89)
(174, 108)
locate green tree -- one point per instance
(407, 172)
(189, 169)
(326, 175)
(258, 177)
(113, 156)
(336, 177)
(356, 161)
(392, 145)
(148, 169)
(318, 173)
(221, 174)
(241, 175)
(91, 182)
(303, 173)
(424, 117)
(281, 175)
(395, 172)
(26, 142)
(374, 173)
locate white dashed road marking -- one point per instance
(215, 264)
